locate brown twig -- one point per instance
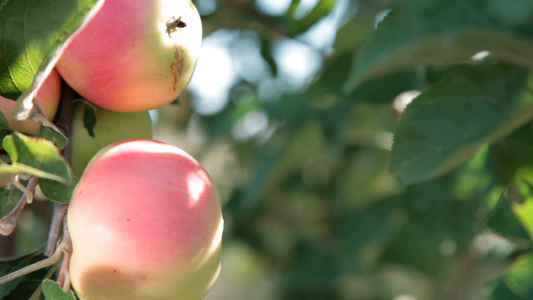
(60, 211)
(59, 226)
(63, 277)
(8, 223)
(34, 267)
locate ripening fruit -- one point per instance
(110, 127)
(145, 223)
(134, 55)
(48, 99)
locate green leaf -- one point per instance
(505, 222)
(3, 121)
(266, 52)
(53, 135)
(16, 168)
(4, 126)
(57, 191)
(433, 32)
(523, 207)
(448, 123)
(360, 247)
(52, 291)
(8, 199)
(89, 118)
(300, 25)
(352, 34)
(33, 36)
(33, 154)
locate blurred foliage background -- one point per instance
(293, 110)
(331, 189)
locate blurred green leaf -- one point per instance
(367, 231)
(504, 221)
(52, 291)
(352, 34)
(523, 206)
(417, 33)
(519, 278)
(305, 144)
(503, 292)
(449, 122)
(310, 278)
(297, 26)
(266, 52)
(417, 246)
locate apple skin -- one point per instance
(125, 60)
(110, 127)
(145, 223)
(48, 99)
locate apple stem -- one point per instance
(34, 267)
(8, 223)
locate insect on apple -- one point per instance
(175, 23)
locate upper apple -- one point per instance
(134, 55)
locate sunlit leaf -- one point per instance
(36, 153)
(33, 35)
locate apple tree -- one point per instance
(362, 149)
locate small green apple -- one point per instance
(110, 127)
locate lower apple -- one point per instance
(145, 223)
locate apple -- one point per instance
(110, 127)
(134, 55)
(145, 223)
(47, 97)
